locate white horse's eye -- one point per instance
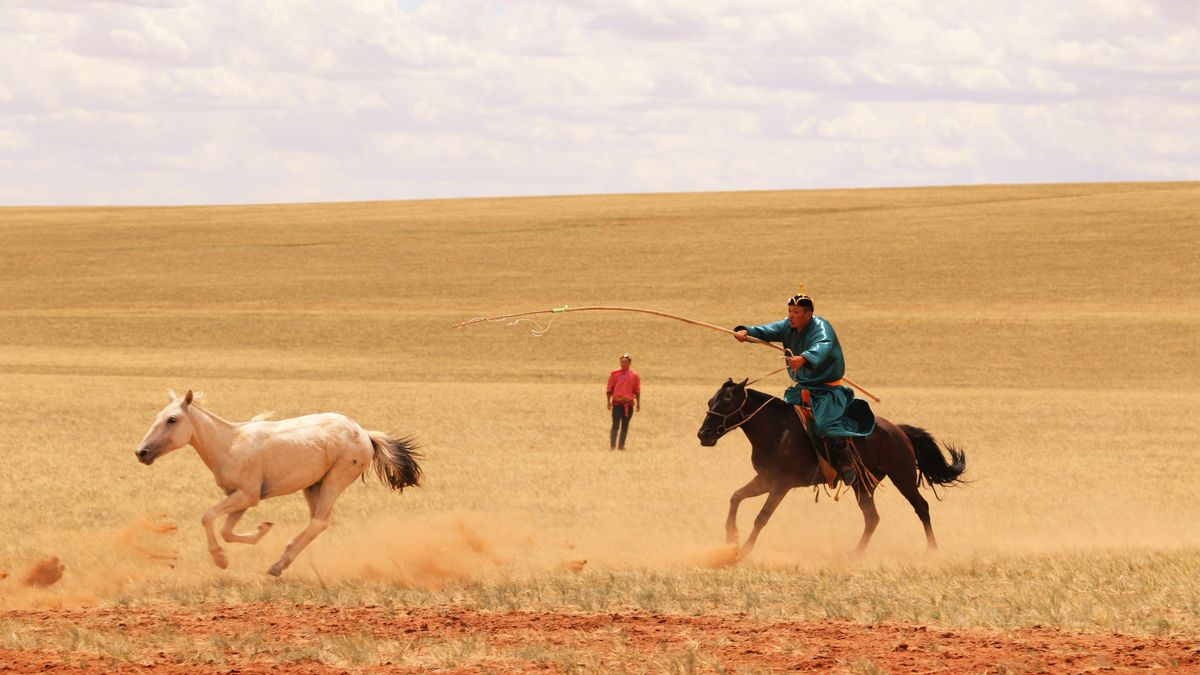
(171, 420)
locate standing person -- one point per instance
(624, 394)
(816, 365)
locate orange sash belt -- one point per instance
(804, 395)
(625, 403)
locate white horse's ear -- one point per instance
(171, 393)
(187, 398)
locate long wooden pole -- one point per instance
(640, 310)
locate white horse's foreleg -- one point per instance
(237, 500)
(229, 535)
(320, 503)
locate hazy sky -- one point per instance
(235, 101)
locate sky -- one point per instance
(131, 102)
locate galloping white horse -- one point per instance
(320, 454)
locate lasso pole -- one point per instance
(640, 310)
(595, 308)
(854, 384)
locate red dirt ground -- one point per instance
(632, 641)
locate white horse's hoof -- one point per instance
(220, 560)
(275, 570)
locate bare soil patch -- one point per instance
(560, 642)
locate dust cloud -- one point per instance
(441, 550)
(472, 547)
(42, 573)
(143, 538)
(104, 563)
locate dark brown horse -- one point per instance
(783, 457)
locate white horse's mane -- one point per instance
(198, 396)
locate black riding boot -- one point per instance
(839, 456)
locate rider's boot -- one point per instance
(839, 456)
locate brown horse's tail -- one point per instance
(395, 460)
(931, 463)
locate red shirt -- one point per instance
(624, 385)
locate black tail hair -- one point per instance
(395, 460)
(930, 461)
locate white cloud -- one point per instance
(300, 100)
(14, 142)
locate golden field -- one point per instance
(1051, 331)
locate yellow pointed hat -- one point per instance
(800, 298)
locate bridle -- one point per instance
(722, 429)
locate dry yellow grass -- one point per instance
(1049, 330)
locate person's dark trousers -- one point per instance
(621, 415)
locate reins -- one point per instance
(722, 429)
(777, 370)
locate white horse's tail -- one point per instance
(395, 460)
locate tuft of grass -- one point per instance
(456, 652)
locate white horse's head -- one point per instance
(172, 429)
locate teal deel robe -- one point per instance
(835, 410)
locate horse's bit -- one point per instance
(722, 429)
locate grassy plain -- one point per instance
(1051, 331)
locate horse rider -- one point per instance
(816, 366)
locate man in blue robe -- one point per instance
(816, 366)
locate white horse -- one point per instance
(320, 454)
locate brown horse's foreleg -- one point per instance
(238, 500)
(754, 488)
(229, 535)
(866, 502)
(331, 486)
(776, 495)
